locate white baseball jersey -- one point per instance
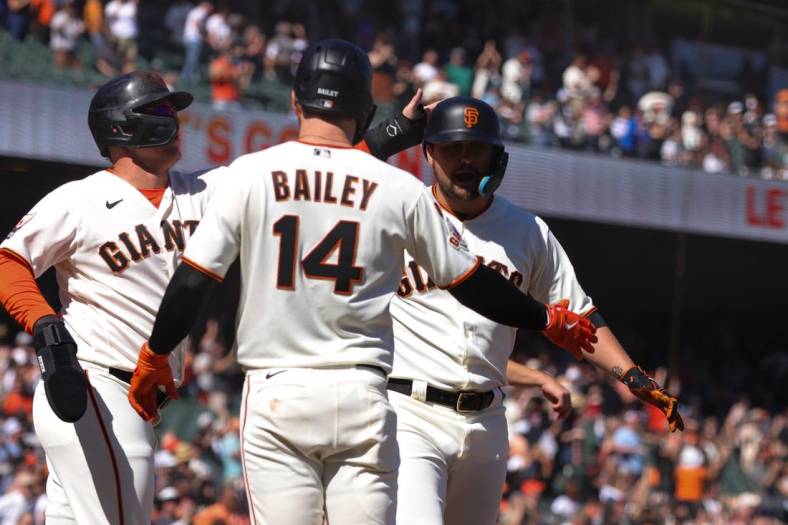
(439, 340)
(114, 254)
(321, 233)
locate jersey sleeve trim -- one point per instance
(363, 146)
(18, 258)
(202, 269)
(459, 280)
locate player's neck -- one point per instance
(318, 131)
(139, 176)
(459, 208)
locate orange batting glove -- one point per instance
(569, 330)
(152, 370)
(649, 391)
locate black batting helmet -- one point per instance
(114, 121)
(335, 77)
(459, 119)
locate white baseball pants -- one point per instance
(315, 439)
(101, 467)
(453, 466)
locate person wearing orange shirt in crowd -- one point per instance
(44, 11)
(228, 510)
(227, 74)
(692, 470)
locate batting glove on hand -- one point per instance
(152, 370)
(649, 391)
(64, 380)
(569, 330)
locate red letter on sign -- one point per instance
(218, 144)
(256, 136)
(752, 217)
(774, 207)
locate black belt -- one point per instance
(161, 398)
(463, 401)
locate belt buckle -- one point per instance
(464, 399)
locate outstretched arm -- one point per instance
(610, 356)
(520, 375)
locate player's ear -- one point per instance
(428, 148)
(296, 106)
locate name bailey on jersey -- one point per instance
(138, 245)
(322, 187)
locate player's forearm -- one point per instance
(396, 133)
(19, 293)
(520, 375)
(609, 355)
(493, 296)
(185, 296)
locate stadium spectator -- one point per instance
(18, 18)
(107, 61)
(193, 39)
(218, 32)
(458, 72)
(278, 53)
(121, 16)
(66, 28)
(175, 20)
(516, 78)
(44, 10)
(227, 510)
(487, 72)
(384, 66)
(427, 69)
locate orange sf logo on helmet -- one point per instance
(471, 117)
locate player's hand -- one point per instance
(152, 370)
(558, 397)
(65, 384)
(569, 330)
(414, 110)
(650, 391)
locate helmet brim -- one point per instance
(464, 135)
(180, 99)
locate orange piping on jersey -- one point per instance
(19, 293)
(363, 146)
(489, 203)
(118, 491)
(309, 143)
(459, 280)
(154, 196)
(202, 270)
(590, 312)
(247, 387)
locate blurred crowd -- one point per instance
(619, 99)
(611, 462)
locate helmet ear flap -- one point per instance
(490, 183)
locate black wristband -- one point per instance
(396, 133)
(50, 330)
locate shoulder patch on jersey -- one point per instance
(455, 237)
(24, 220)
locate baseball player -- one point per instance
(450, 363)
(114, 238)
(114, 253)
(321, 229)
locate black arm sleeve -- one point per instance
(395, 134)
(185, 296)
(493, 296)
